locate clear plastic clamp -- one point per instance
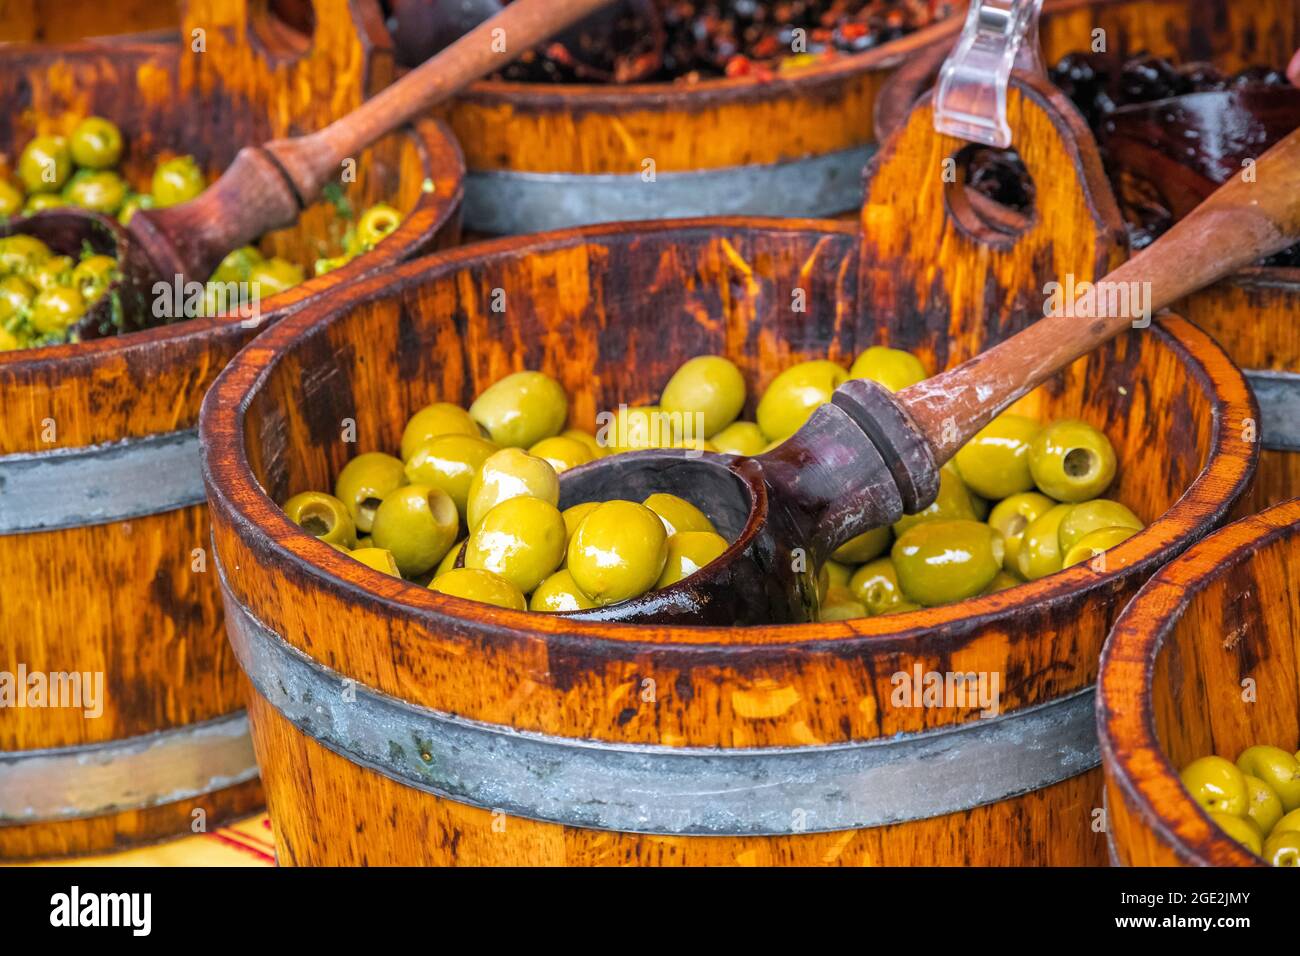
(999, 36)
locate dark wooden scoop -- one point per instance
(870, 456)
(267, 187)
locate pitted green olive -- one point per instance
(474, 584)
(521, 409)
(865, 547)
(450, 462)
(1071, 461)
(939, 562)
(1040, 545)
(892, 368)
(323, 516)
(795, 394)
(521, 539)
(709, 386)
(559, 593)
(953, 503)
(561, 453)
(509, 473)
(740, 438)
(363, 483)
(418, 524)
(440, 418)
(688, 551)
(678, 514)
(995, 463)
(1094, 515)
(618, 552)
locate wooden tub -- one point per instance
(1203, 661)
(544, 156)
(394, 725)
(104, 538)
(1253, 313)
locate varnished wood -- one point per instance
(1252, 313)
(1203, 661)
(123, 597)
(43, 21)
(265, 187)
(589, 306)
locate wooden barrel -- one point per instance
(62, 21)
(395, 725)
(1203, 661)
(544, 156)
(1253, 313)
(104, 539)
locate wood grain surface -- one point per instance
(122, 597)
(1203, 661)
(611, 311)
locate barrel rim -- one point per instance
(709, 93)
(440, 154)
(1131, 753)
(234, 490)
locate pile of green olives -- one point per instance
(42, 295)
(469, 507)
(1019, 502)
(1256, 801)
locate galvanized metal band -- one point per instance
(506, 202)
(68, 783)
(96, 484)
(1278, 394)
(668, 790)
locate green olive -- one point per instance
(1277, 768)
(953, 503)
(11, 199)
(21, 253)
(449, 559)
(45, 164)
(100, 191)
(273, 276)
(39, 202)
(509, 473)
(939, 562)
(521, 409)
(1240, 829)
(573, 516)
(363, 483)
(1002, 582)
(418, 523)
(995, 463)
(587, 439)
(1094, 515)
(688, 551)
(176, 181)
(636, 428)
(840, 605)
(9, 341)
(561, 453)
(379, 559)
(833, 575)
(450, 462)
(440, 418)
(740, 438)
(618, 552)
(1071, 461)
(1289, 822)
(1095, 543)
(96, 143)
(892, 368)
(474, 584)
(55, 310)
(678, 514)
(131, 204)
(865, 547)
(93, 275)
(522, 539)
(795, 394)
(708, 386)
(1282, 849)
(1216, 785)
(1262, 804)
(1040, 545)
(902, 607)
(16, 294)
(1011, 516)
(559, 593)
(323, 516)
(875, 585)
(327, 264)
(237, 265)
(376, 224)
(52, 273)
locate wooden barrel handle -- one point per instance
(1251, 216)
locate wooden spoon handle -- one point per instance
(1244, 220)
(312, 160)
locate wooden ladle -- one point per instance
(268, 186)
(870, 456)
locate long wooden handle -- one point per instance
(1253, 215)
(313, 160)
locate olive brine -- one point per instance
(469, 505)
(44, 294)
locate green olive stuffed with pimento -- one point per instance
(45, 293)
(468, 503)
